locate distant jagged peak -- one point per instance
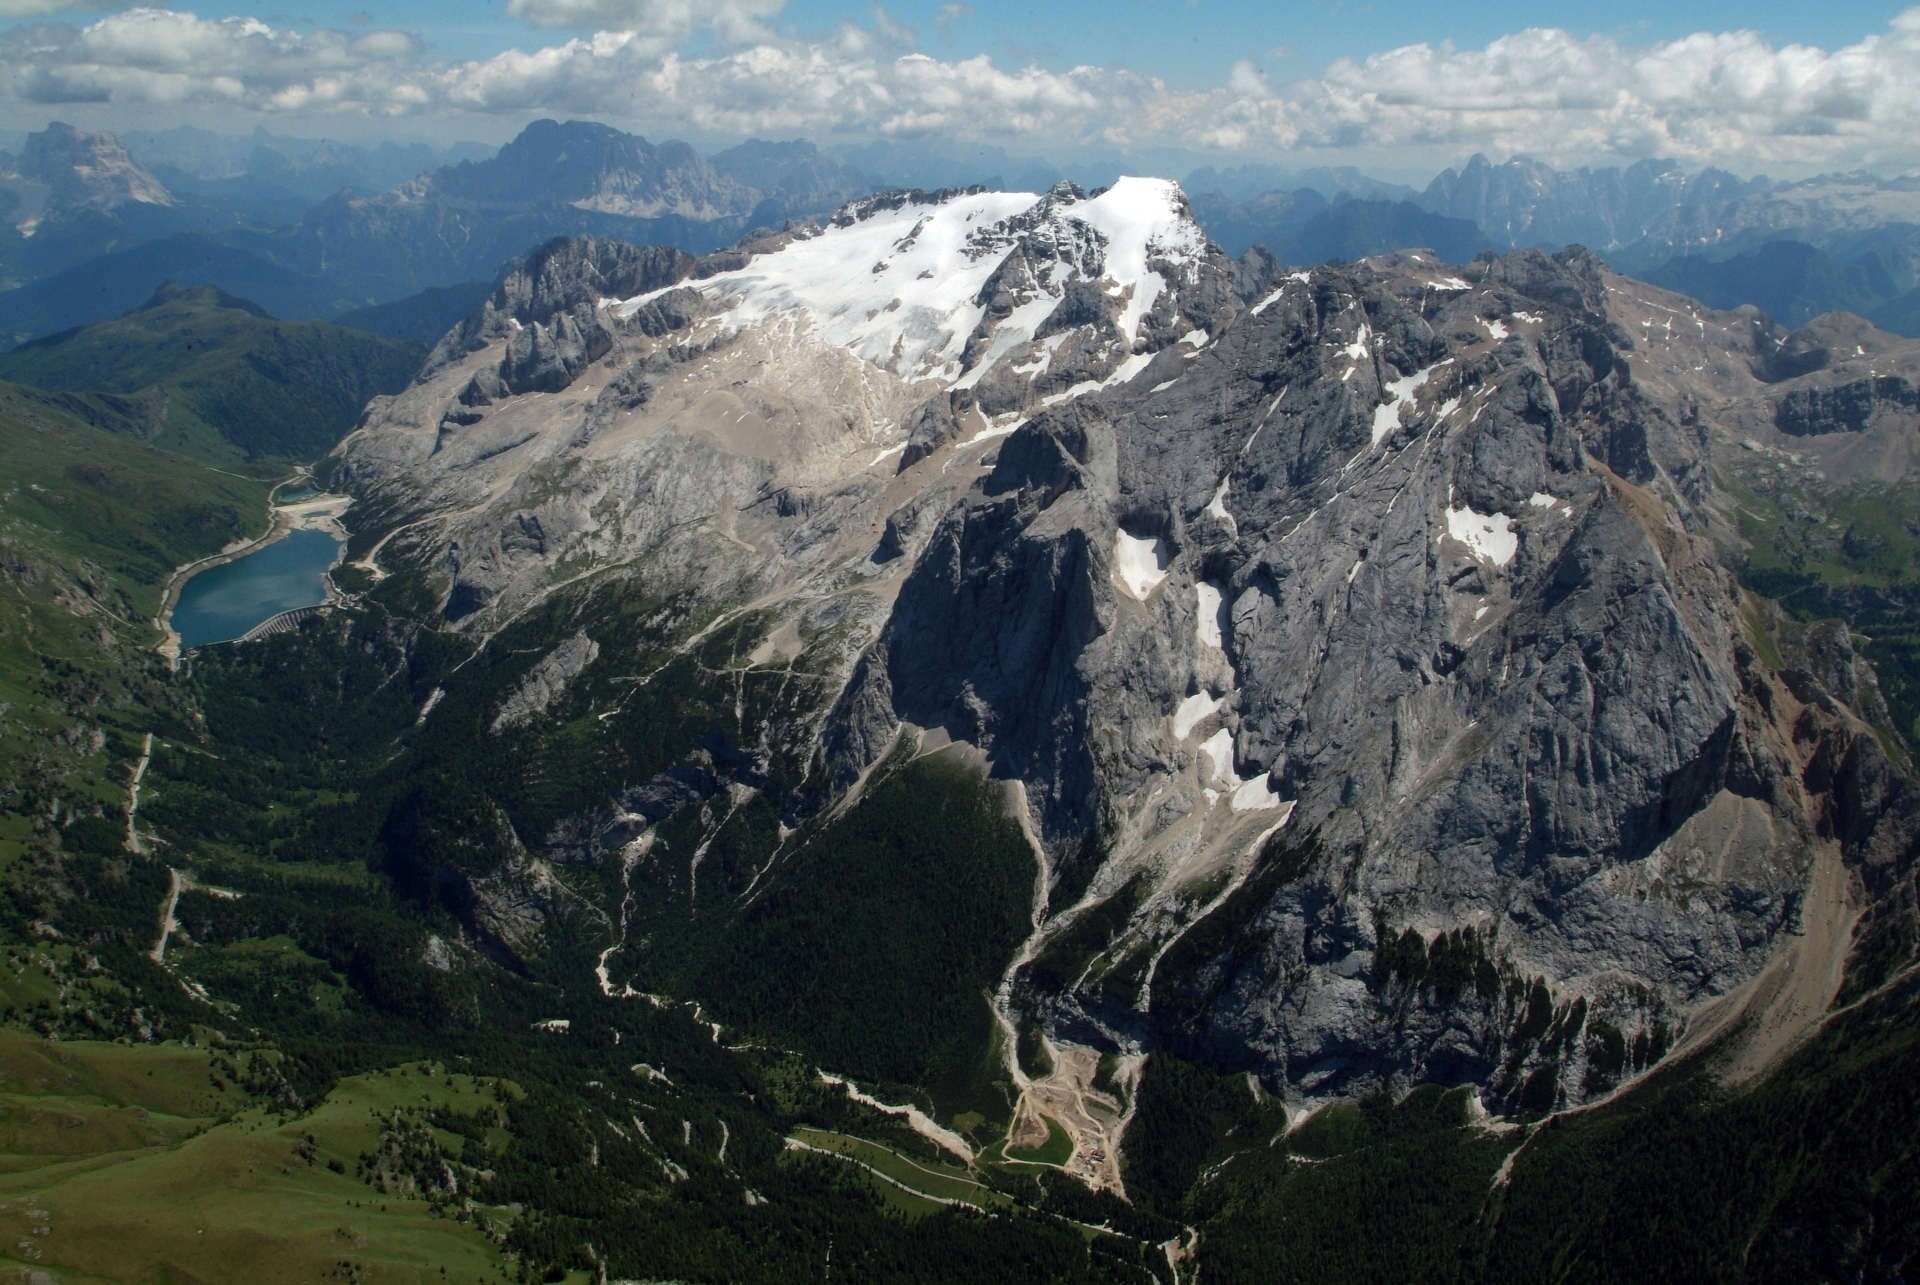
(88, 170)
(546, 132)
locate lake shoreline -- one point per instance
(321, 512)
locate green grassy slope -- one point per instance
(124, 513)
(1847, 553)
(227, 383)
(92, 522)
(158, 1162)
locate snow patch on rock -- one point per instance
(1487, 535)
(1141, 563)
(1386, 417)
(1255, 794)
(1193, 711)
(1243, 794)
(1217, 506)
(1210, 615)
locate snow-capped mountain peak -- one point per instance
(949, 286)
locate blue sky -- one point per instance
(1390, 83)
(1184, 40)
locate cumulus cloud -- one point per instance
(1725, 97)
(737, 21)
(155, 56)
(1704, 96)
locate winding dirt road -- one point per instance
(134, 845)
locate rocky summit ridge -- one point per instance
(1361, 640)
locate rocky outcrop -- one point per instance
(1844, 408)
(547, 681)
(547, 309)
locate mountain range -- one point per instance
(114, 232)
(276, 178)
(314, 229)
(980, 702)
(1269, 588)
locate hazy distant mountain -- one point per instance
(274, 179)
(1244, 182)
(597, 168)
(71, 170)
(590, 167)
(62, 174)
(1523, 202)
(796, 176)
(1874, 275)
(69, 195)
(106, 285)
(1795, 249)
(202, 156)
(1855, 230)
(1305, 227)
(934, 164)
(462, 222)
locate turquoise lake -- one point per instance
(224, 602)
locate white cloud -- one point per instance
(1712, 96)
(155, 56)
(736, 21)
(1726, 97)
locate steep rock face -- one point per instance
(1390, 585)
(1845, 408)
(547, 681)
(1361, 637)
(547, 309)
